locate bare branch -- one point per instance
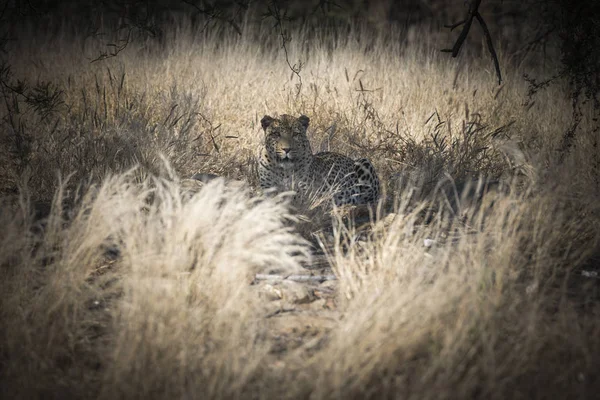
(490, 45)
(115, 48)
(465, 31)
(275, 11)
(324, 5)
(474, 13)
(216, 13)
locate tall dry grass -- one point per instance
(484, 312)
(130, 288)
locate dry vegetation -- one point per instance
(130, 288)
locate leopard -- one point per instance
(287, 163)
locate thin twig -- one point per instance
(215, 13)
(275, 12)
(117, 47)
(456, 25)
(490, 45)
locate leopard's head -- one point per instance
(285, 139)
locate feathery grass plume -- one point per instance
(58, 286)
(188, 323)
(176, 296)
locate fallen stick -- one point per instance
(296, 278)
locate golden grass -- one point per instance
(128, 288)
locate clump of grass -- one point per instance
(481, 312)
(103, 302)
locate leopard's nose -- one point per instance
(286, 149)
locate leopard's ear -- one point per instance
(304, 121)
(266, 121)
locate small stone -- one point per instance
(270, 292)
(296, 293)
(428, 242)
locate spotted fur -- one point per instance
(287, 163)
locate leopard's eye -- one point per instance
(275, 134)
